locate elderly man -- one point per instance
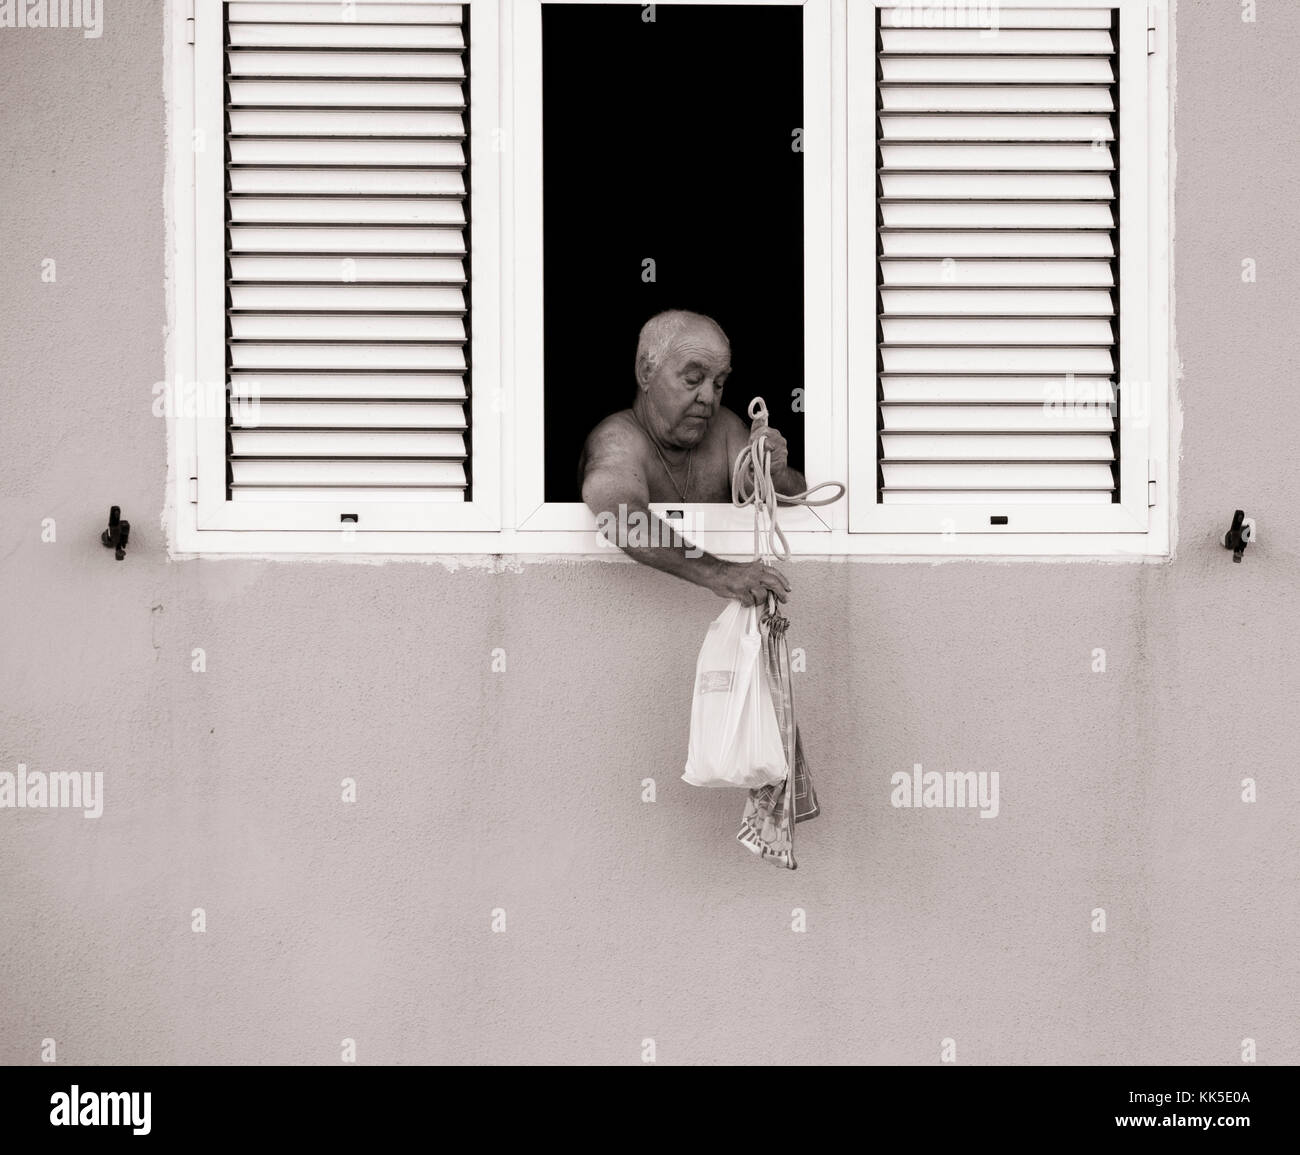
(677, 444)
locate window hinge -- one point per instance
(1151, 481)
(1151, 29)
(194, 491)
(189, 21)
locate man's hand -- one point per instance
(785, 479)
(749, 582)
(776, 445)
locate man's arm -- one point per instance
(612, 477)
(788, 480)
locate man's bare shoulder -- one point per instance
(612, 466)
(616, 436)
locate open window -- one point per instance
(680, 187)
(668, 156)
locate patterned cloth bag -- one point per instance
(771, 812)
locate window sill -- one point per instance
(188, 542)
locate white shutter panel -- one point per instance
(315, 133)
(998, 272)
(345, 251)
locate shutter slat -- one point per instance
(344, 298)
(952, 244)
(343, 65)
(976, 273)
(342, 13)
(995, 302)
(991, 13)
(348, 210)
(348, 181)
(362, 239)
(991, 389)
(329, 123)
(1035, 331)
(331, 94)
(931, 214)
(999, 41)
(345, 35)
(319, 473)
(350, 415)
(982, 127)
(306, 356)
(922, 186)
(990, 98)
(1071, 475)
(1049, 360)
(1003, 497)
(330, 444)
(950, 447)
(345, 327)
(267, 386)
(997, 70)
(989, 418)
(316, 152)
(358, 269)
(1011, 156)
(345, 494)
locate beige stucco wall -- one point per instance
(522, 790)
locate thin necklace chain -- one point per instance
(690, 461)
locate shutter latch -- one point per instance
(118, 533)
(1151, 482)
(1151, 29)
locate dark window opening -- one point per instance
(676, 141)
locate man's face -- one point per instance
(685, 388)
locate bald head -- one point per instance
(664, 330)
(682, 362)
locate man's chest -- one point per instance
(704, 475)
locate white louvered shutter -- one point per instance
(1001, 273)
(345, 245)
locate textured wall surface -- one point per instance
(522, 789)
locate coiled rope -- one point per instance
(751, 484)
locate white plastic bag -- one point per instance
(735, 737)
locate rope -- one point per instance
(751, 484)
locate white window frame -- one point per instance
(509, 514)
